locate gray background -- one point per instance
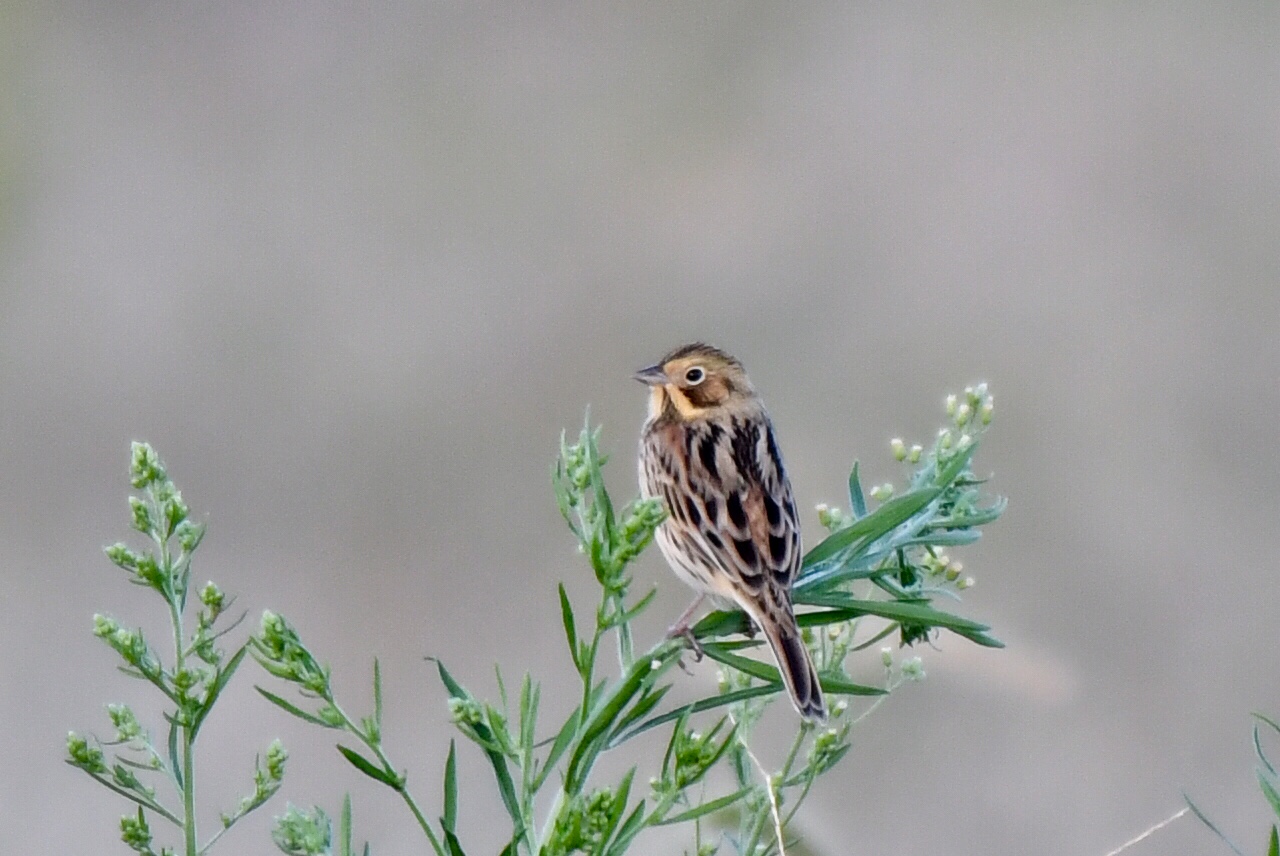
(352, 271)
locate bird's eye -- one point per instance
(695, 375)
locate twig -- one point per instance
(773, 797)
(1161, 825)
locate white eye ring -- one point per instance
(695, 376)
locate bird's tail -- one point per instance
(799, 675)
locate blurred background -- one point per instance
(353, 270)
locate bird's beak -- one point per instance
(653, 376)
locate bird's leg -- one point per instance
(682, 628)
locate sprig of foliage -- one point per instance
(880, 568)
(1268, 783)
(192, 681)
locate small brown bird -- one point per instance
(708, 452)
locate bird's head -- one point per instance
(695, 381)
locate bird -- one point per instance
(708, 452)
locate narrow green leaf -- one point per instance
(877, 523)
(833, 685)
(598, 722)
(630, 829)
(344, 825)
(370, 769)
(1262, 756)
(640, 606)
(862, 646)
(704, 809)
(619, 805)
(1209, 823)
(676, 731)
(451, 842)
(1268, 721)
(843, 607)
(708, 703)
(219, 684)
(857, 502)
(289, 707)
(530, 698)
(502, 688)
(557, 749)
(450, 819)
(377, 694)
(720, 623)
(174, 766)
(570, 627)
(746, 665)
(502, 774)
(455, 689)
(640, 709)
(1269, 791)
(1273, 849)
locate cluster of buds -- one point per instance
(279, 649)
(975, 408)
(639, 521)
(584, 503)
(129, 644)
(828, 747)
(881, 492)
(940, 566)
(302, 833)
(268, 776)
(911, 669)
(832, 518)
(689, 756)
(902, 453)
(582, 825)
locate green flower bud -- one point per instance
(104, 626)
(135, 832)
(175, 511)
(189, 535)
(122, 557)
(141, 514)
(126, 723)
(145, 468)
(85, 756)
(213, 598)
(899, 449)
(465, 711)
(301, 834)
(914, 455)
(913, 669)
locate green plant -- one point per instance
(1268, 782)
(191, 681)
(875, 575)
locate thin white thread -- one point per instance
(1159, 826)
(773, 798)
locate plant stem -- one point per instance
(376, 748)
(189, 791)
